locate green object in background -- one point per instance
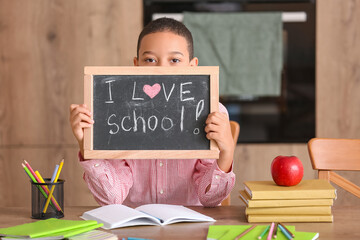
(248, 48)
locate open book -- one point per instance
(116, 215)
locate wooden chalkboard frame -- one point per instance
(90, 153)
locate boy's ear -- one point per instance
(136, 61)
(194, 62)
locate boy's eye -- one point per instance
(175, 60)
(150, 60)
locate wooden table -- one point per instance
(345, 226)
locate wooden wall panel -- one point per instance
(338, 69)
(338, 76)
(15, 184)
(45, 45)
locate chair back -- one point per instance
(330, 154)
(235, 131)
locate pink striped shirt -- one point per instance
(135, 182)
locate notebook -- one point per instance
(230, 232)
(95, 235)
(51, 228)
(306, 189)
(289, 218)
(117, 215)
(307, 210)
(284, 202)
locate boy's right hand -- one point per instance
(80, 118)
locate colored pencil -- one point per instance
(275, 230)
(54, 173)
(264, 232)
(47, 189)
(291, 234)
(245, 232)
(34, 180)
(31, 170)
(287, 235)
(43, 187)
(270, 231)
(53, 186)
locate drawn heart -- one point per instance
(153, 90)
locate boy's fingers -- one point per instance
(79, 106)
(73, 106)
(212, 128)
(81, 117)
(85, 125)
(212, 135)
(216, 117)
(78, 129)
(79, 109)
(85, 118)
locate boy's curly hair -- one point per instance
(168, 25)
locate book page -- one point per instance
(116, 215)
(173, 213)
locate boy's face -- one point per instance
(164, 49)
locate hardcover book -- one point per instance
(307, 210)
(306, 189)
(283, 202)
(289, 218)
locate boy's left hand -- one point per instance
(218, 129)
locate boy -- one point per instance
(163, 42)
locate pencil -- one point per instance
(264, 232)
(245, 232)
(47, 190)
(270, 231)
(287, 235)
(54, 173)
(43, 187)
(291, 234)
(53, 186)
(275, 230)
(34, 180)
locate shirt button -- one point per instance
(161, 164)
(217, 176)
(96, 165)
(161, 191)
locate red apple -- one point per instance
(287, 170)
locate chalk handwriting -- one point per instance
(135, 122)
(110, 95)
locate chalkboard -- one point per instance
(150, 112)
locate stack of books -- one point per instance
(309, 201)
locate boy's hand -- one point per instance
(80, 118)
(218, 129)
